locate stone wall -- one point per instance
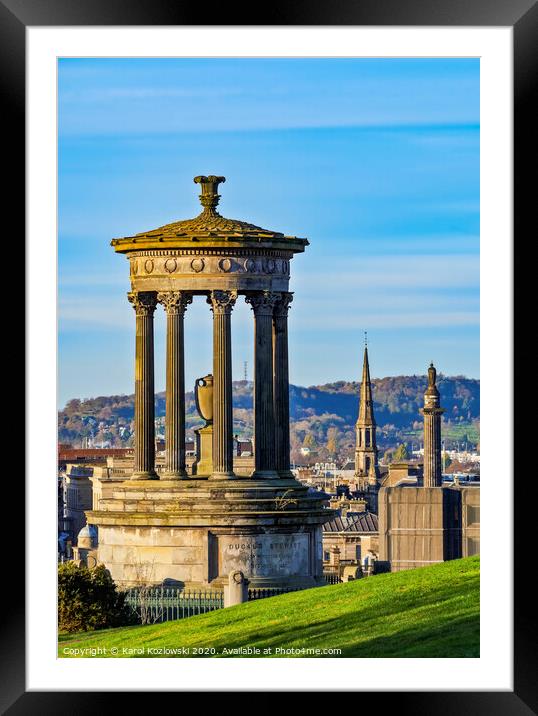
(195, 532)
(419, 526)
(470, 518)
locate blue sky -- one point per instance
(376, 161)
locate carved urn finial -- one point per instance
(431, 396)
(209, 198)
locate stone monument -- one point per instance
(197, 529)
(429, 523)
(432, 413)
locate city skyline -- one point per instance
(375, 161)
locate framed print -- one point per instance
(288, 472)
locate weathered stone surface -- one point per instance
(193, 522)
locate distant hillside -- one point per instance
(317, 413)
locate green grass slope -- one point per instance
(428, 612)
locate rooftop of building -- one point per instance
(89, 453)
(361, 522)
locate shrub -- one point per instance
(88, 599)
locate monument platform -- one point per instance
(194, 532)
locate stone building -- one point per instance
(355, 535)
(407, 472)
(85, 551)
(196, 529)
(77, 497)
(80, 456)
(422, 524)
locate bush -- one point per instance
(88, 599)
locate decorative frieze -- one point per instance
(164, 264)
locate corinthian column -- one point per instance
(175, 303)
(222, 303)
(263, 304)
(144, 303)
(281, 387)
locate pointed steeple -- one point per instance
(366, 407)
(365, 429)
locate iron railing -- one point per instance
(153, 605)
(264, 592)
(332, 578)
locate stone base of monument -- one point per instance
(195, 532)
(203, 465)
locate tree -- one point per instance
(88, 599)
(332, 441)
(309, 441)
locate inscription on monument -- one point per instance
(265, 555)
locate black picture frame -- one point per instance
(522, 16)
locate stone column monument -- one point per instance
(432, 413)
(419, 526)
(197, 529)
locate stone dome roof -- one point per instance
(209, 221)
(88, 532)
(206, 223)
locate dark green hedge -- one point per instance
(88, 599)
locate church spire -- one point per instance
(366, 409)
(365, 445)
